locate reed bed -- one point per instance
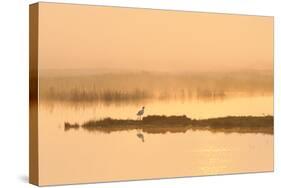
(125, 87)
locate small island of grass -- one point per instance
(155, 124)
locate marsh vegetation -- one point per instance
(126, 87)
(176, 124)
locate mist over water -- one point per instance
(137, 86)
(79, 97)
(195, 94)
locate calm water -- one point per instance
(81, 156)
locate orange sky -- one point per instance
(95, 37)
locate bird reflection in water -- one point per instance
(140, 136)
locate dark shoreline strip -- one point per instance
(180, 124)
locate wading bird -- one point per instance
(140, 113)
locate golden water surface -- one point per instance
(79, 156)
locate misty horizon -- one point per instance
(102, 37)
